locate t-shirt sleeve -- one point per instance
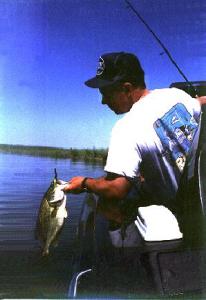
(123, 156)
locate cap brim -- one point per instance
(98, 82)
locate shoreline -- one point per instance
(86, 155)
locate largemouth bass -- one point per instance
(52, 214)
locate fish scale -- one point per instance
(52, 214)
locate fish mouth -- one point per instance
(56, 203)
(61, 182)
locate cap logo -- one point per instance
(101, 66)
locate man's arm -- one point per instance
(202, 100)
(110, 187)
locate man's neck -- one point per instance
(139, 93)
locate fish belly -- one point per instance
(53, 224)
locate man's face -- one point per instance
(116, 98)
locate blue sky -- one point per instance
(48, 48)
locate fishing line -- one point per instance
(129, 5)
(55, 173)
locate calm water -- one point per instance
(23, 181)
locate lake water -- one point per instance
(23, 182)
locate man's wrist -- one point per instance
(84, 184)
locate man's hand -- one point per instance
(74, 185)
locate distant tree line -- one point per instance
(87, 155)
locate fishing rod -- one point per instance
(161, 44)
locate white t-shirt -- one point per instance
(153, 140)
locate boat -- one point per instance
(175, 268)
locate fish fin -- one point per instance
(55, 243)
(45, 252)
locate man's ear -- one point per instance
(127, 87)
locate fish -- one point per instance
(51, 216)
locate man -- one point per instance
(148, 150)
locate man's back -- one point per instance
(153, 140)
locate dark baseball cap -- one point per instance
(115, 67)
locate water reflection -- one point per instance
(23, 182)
